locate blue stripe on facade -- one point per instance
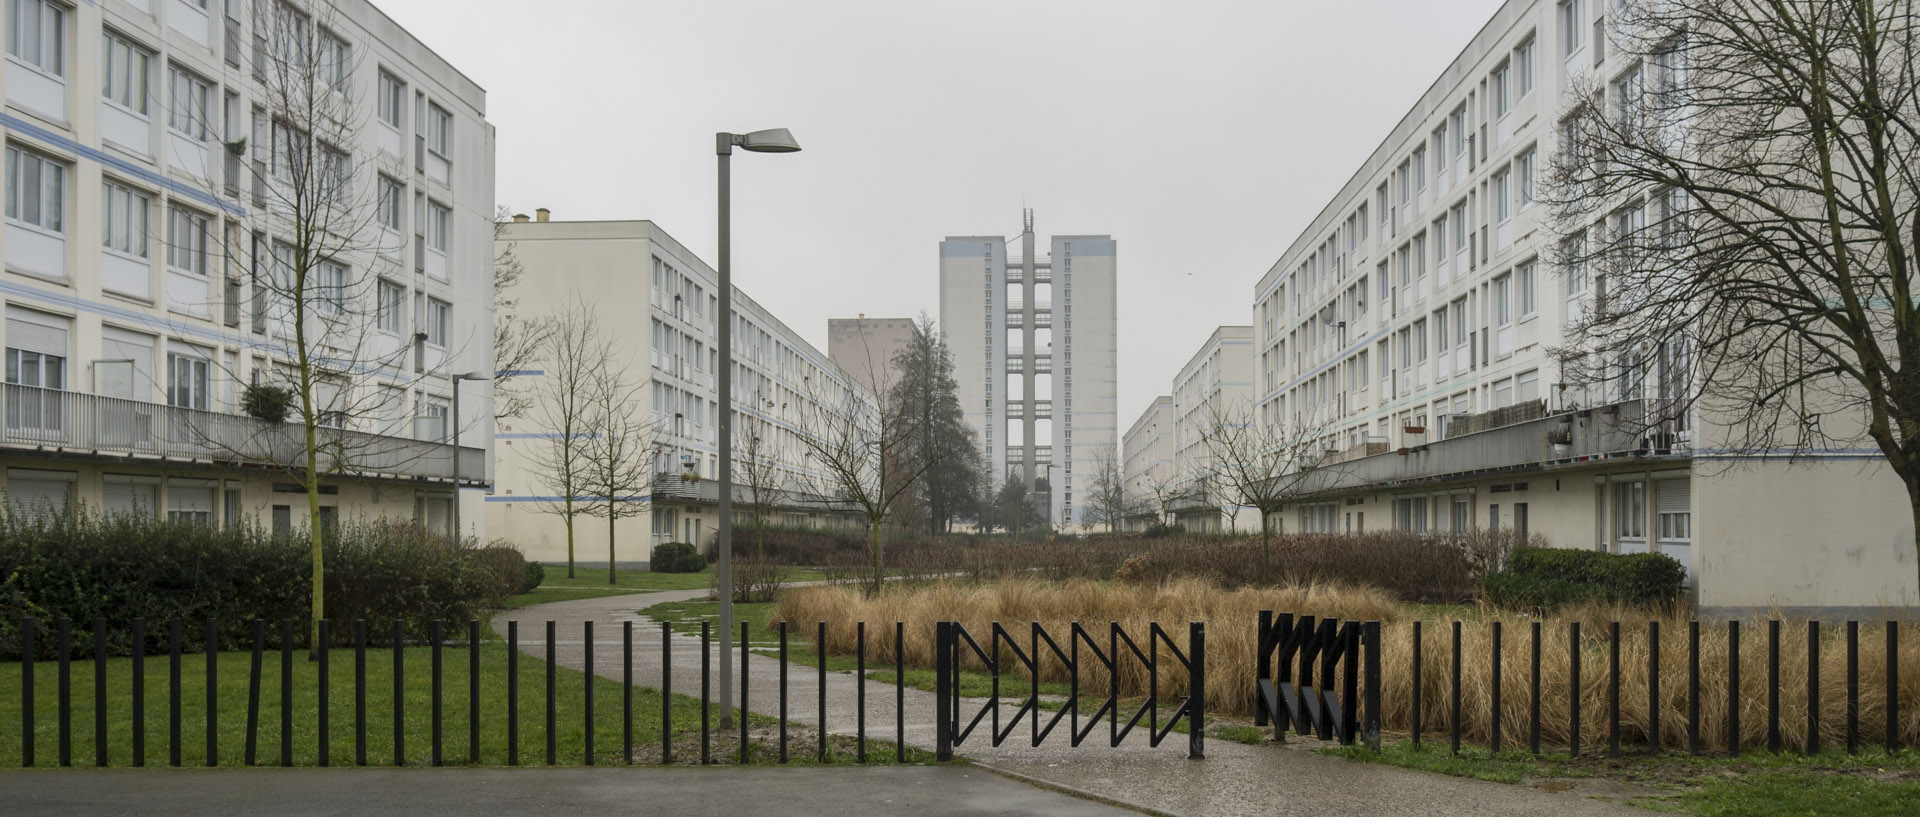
(121, 165)
(563, 499)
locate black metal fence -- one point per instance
(952, 729)
(1644, 693)
(128, 711)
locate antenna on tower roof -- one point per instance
(1027, 218)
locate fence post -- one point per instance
(1196, 690)
(64, 642)
(212, 650)
(1733, 688)
(1573, 698)
(1813, 687)
(253, 691)
(1262, 669)
(139, 692)
(100, 691)
(1417, 692)
(323, 687)
(26, 692)
(1453, 715)
(1370, 724)
(1349, 725)
(1893, 686)
(943, 714)
(1773, 685)
(1494, 720)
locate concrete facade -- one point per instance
(1412, 323)
(1147, 469)
(779, 380)
(865, 347)
(1217, 383)
(1037, 373)
(135, 316)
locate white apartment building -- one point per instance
(611, 268)
(144, 166)
(1413, 321)
(1025, 359)
(1215, 385)
(1147, 464)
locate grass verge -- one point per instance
(1760, 785)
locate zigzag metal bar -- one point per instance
(992, 706)
(1073, 700)
(1108, 706)
(1032, 704)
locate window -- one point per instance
(1460, 322)
(27, 368)
(187, 241)
(187, 380)
(1523, 168)
(1674, 509)
(391, 310)
(1440, 151)
(1625, 95)
(190, 502)
(1573, 27)
(439, 131)
(125, 227)
(1529, 275)
(1420, 168)
(1502, 195)
(393, 197)
(1670, 75)
(126, 74)
(1523, 68)
(291, 146)
(1573, 251)
(1630, 510)
(192, 101)
(1502, 82)
(439, 320)
(433, 421)
(1503, 300)
(334, 63)
(1362, 214)
(1381, 195)
(36, 34)
(330, 288)
(36, 189)
(439, 222)
(1458, 124)
(336, 175)
(393, 100)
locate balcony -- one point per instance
(85, 425)
(1042, 409)
(1572, 439)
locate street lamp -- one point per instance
(776, 140)
(456, 443)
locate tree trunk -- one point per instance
(611, 518)
(1266, 550)
(878, 562)
(569, 517)
(318, 602)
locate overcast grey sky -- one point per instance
(1201, 135)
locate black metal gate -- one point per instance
(1319, 703)
(952, 637)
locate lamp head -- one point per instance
(774, 140)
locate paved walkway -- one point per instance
(1234, 779)
(762, 791)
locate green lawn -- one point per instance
(1757, 784)
(232, 700)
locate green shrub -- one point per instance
(267, 402)
(1545, 578)
(534, 576)
(677, 557)
(126, 566)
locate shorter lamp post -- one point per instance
(456, 443)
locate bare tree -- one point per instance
(517, 338)
(1262, 467)
(1744, 207)
(575, 357)
(757, 465)
(1108, 504)
(857, 444)
(618, 449)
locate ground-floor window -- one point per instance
(1630, 511)
(1410, 514)
(1673, 508)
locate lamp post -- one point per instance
(776, 140)
(456, 443)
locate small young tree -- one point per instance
(575, 356)
(857, 444)
(757, 467)
(1108, 504)
(1262, 467)
(618, 447)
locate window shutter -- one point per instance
(35, 494)
(36, 333)
(1673, 495)
(190, 496)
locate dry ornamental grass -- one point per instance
(1232, 616)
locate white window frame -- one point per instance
(1526, 71)
(188, 238)
(126, 67)
(49, 196)
(125, 223)
(439, 131)
(1523, 169)
(1502, 195)
(393, 100)
(189, 104)
(46, 50)
(1573, 27)
(391, 307)
(189, 381)
(335, 61)
(439, 224)
(1503, 300)
(439, 320)
(1527, 281)
(1500, 85)
(330, 287)
(393, 204)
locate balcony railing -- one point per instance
(86, 424)
(1591, 435)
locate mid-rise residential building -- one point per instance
(1414, 322)
(865, 348)
(150, 157)
(1147, 465)
(1216, 386)
(1034, 352)
(602, 270)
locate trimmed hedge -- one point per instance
(677, 557)
(1545, 578)
(124, 566)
